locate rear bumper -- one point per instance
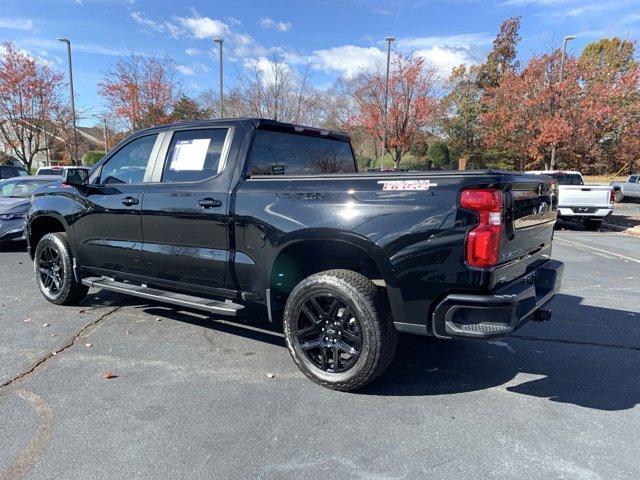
(500, 313)
(584, 212)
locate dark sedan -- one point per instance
(15, 197)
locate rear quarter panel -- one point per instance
(416, 238)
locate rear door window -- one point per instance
(195, 155)
(279, 153)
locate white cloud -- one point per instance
(268, 69)
(142, 19)
(446, 59)
(543, 3)
(192, 52)
(183, 69)
(462, 40)
(382, 11)
(16, 23)
(348, 60)
(156, 26)
(270, 23)
(204, 27)
(447, 52)
(592, 9)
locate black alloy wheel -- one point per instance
(329, 334)
(338, 329)
(50, 269)
(53, 268)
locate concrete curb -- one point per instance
(635, 231)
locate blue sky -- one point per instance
(335, 38)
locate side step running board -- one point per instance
(213, 306)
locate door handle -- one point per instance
(129, 201)
(209, 203)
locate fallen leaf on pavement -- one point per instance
(26, 320)
(82, 311)
(88, 344)
(270, 375)
(128, 332)
(158, 319)
(109, 375)
(45, 324)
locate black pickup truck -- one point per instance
(217, 215)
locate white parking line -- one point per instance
(624, 257)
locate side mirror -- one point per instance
(75, 176)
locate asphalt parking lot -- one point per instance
(192, 398)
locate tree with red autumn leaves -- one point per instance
(411, 104)
(591, 117)
(140, 91)
(31, 106)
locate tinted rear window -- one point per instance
(50, 171)
(278, 153)
(568, 178)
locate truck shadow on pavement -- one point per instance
(590, 357)
(576, 360)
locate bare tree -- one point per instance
(270, 88)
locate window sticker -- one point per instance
(189, 155)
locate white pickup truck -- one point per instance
(577, 201)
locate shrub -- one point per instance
(438, 154)
(92, 157)
(364, 163)
(414, 163)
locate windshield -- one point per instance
(19, 188)
(50, 171)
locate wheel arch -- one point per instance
(315, 250)
(41, 224)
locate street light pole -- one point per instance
(73, 106)
(568, 38)
(386, 101)
(220, 41)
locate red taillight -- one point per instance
(612, 196)
(483, 242)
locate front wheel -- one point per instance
(53, 267)
(337, 326)
(591, 224)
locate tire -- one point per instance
(618, 196)
(362, 312)
(591, 224)
(53, 266)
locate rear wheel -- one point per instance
(618, 196)
(338, 329)
(53, 267)
(591, 224)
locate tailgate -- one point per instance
(530, 214)
(584, 196)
